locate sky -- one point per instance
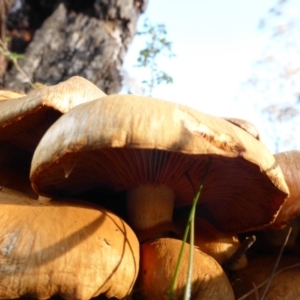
(216, 43)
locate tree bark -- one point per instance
(87, 38)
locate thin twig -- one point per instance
(273, 274)
(266, 281)
(276, 264)
(242, 249)
(255, 291)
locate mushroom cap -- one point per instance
(245, 125)
(158, 263)
(23, 121)
(271, 240)
(5, 94)
(221, 246)
(123, 141)
(68, 248)
(284, 286)
(289, 163)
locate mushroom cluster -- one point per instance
(64, 247)
(77, 166)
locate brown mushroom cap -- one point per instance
(23, 121)
(5, 94)
(245, 125)
(284, 286)
(271, 240)
(221, 246)
(289, 163)
(158, 263)
(125, 142)
(67, 248)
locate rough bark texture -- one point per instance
(65, 38)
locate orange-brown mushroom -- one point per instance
(24, 120)
(68, 248)
(221, 246)
(6, 94)
(289, 163)
(284, 286)
(158, 262)
(245, 125)
(271, 240)
(274, 235)
(158, 151)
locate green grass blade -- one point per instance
(188, 287)
(186, 232)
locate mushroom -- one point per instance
(245, 125)
(284, 285)
(24, 120)
(158, 263)
(64, 247)
(158, 152)
(221, 246)
(271, 240)
(289, 163)
(272, 237)
(5, 94)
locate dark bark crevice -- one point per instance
(87, 38)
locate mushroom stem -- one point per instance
(149, 206)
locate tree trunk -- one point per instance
(65, 38)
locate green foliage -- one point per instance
(12, 56)
(157, 46)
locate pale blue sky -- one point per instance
(215, 42)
